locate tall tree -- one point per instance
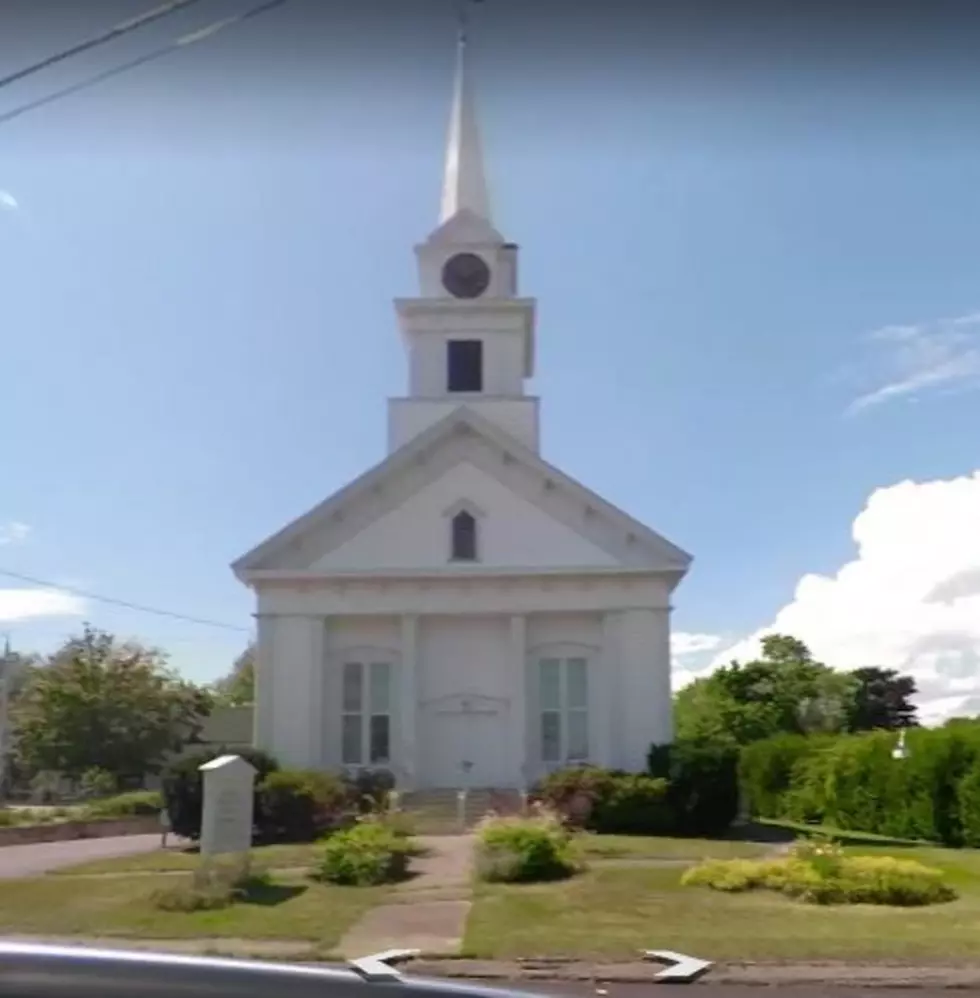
(102, 704)
(882, 699)
(238, 687)
(785, 690)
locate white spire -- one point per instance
(465, 184)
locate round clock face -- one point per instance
(466, 275)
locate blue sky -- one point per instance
(198, 332)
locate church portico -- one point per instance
(464, 613)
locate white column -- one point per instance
(518, 701)
(316, 637)
(607, 691)
(409, 699)
(665, 702)
(263, 709)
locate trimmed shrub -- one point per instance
(703, 784)
(131, 804)
(183, 789)
(821, 875)
(299, 805)
(524, 850)
(367, 854)
(634, 804)
(608, 801)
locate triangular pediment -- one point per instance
(545, 519)
(466, 228)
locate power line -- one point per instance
(205, 622)
(123, 28)
(189, 39)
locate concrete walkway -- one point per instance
(42, 857)
(426, 913)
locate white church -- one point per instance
(464, 613)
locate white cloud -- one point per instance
(28, 604)
(910, 599)
(7, 201)
(683, 643)
(13, 532)
(931, 356)
(690, 655)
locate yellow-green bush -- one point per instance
(369, 853)
(821, 874)
(525, 849)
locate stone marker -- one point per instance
(226, 818)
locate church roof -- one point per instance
(639, 547)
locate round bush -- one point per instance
(300, 805)
(367, 854)
(522, 850)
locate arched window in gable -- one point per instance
(463, 539)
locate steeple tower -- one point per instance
(464, 184)
(469, 337)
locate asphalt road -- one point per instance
(33, 860)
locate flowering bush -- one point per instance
(522, 849)
(820, 873)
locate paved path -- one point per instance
(40, 857)
(426, 913)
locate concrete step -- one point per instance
(436, 812)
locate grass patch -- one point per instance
(664, 847)
(613, 913)
(281, 857)
(280, 908)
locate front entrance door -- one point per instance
(467, 744)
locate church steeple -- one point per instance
(468, 334)
(464, 184)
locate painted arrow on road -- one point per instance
(681, 969)
(381, 966)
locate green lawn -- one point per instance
(165, 860)
(289, 908)
(662, 847)
(612, 912)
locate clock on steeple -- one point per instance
(466, 275)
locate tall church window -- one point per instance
(463, 527)
(464, 366)
(366, 714)
(563, 700)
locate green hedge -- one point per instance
(691, 789)
(852, 782)
(703, 784)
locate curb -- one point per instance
(852, 976)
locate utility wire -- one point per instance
(123, 603)
(178, 43)
(123, 28)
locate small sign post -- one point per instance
(226, 819)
